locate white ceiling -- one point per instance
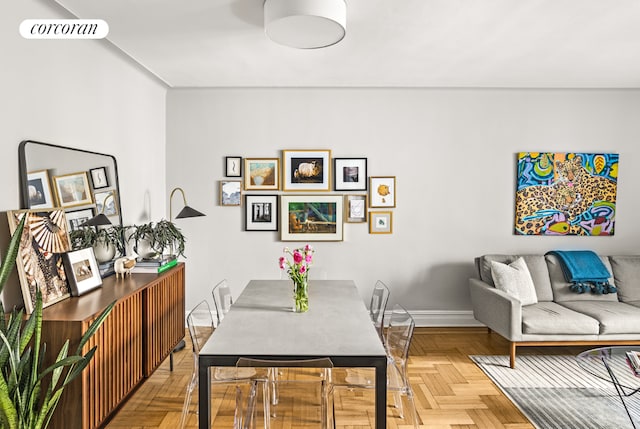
(389, 43)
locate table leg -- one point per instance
(619, 389)
(204, 396)
(381, 394)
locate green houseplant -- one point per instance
(105, 241)
(161, 236)
(29, 391)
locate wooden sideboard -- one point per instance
(145, 325)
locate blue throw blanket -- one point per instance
(584, 270)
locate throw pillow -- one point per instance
(515, 280)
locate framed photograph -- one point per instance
(106, 202)
(261, 213)
(40, 196)
(382, 191)
(233, 166)
(73, 189)
(380, 222)
(306, 170)
(78, 217)
(350, 174)
(44, 240)
(230, 191)
(99, 178)
(311, 217)
(261, 174)
(82, 271)
(355, 208)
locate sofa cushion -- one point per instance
(537, 268)
(549, 318)
(614, 317)
(626, 272)
(634, 303)
(515, 280)
(560, 285)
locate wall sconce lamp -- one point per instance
(186, 211)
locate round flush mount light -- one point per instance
(305, 24)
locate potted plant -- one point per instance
(30, 392)
(105, 241)
(154, 239)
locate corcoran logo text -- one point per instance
(64, 29)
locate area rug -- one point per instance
(553, 392)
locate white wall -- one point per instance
(84, 94)
(453, 152)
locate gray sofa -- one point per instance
(560, 317)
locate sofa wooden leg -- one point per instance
(512, 355)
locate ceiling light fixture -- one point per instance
(305, 24)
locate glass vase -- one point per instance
(301, 295)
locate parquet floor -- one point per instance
(451, 392)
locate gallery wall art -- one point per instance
(566, 193)
(311, 217)
(40, 265)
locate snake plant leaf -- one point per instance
(37, 314)
(81, 366)
(10, 335)
(12, 253)
(57, 371)
(27, 332)
(8, 413)
(94, 327)
(57, 368)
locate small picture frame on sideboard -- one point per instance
(82, 271)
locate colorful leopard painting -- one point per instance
(566, 194)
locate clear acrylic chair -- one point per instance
(222, 299)
(200, 325)
(378, 306)
(306, 396)
(397, 342)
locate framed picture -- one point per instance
(350, 174)
(78, 217)
(261, 174)
(230, 191)
(40, 196)
(261, 213)
(73, 189)
(44, 240)
(106, 202)
(355, 208)
(99, 177)
(311, 217)
(382, 191)
(561, 193)
(82, 271)
(233, 166)
(380, 222)
(306, 170)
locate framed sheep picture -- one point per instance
(306, 170)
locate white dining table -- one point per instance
(262, 325)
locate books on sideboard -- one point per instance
(106, 268)
(156, 265)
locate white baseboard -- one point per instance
(440, 318)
